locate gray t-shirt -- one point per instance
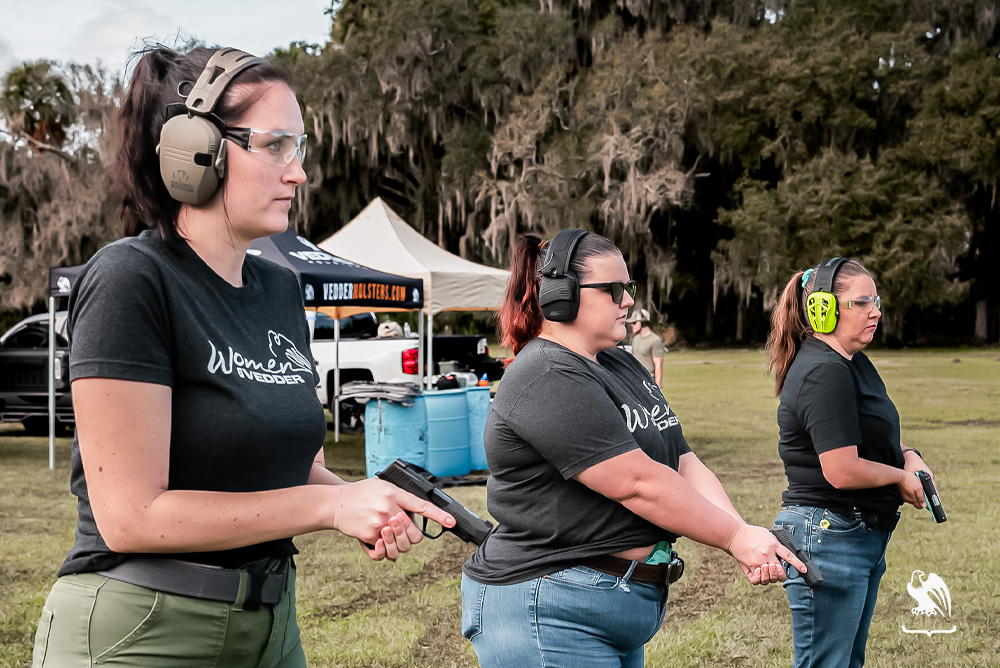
(245, 416)
(556, 414)
(645, 348)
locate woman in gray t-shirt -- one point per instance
(591, 479)
(199, 437)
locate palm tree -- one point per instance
(37, 103)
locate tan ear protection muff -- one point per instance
(821, 304)
(559, 292)
(192, 153)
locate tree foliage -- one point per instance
(721, 144)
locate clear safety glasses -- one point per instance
(865, 303)
(276, 146)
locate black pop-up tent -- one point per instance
(342, 286)
(61, 280)
(339, 287)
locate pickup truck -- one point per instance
(364, 356)
(24, 385)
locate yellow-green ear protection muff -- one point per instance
(192, 153)
(559, 292)
(821, 304)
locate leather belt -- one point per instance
(885, 520)
(658, 574)
(245, 588)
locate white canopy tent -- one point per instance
(380, 239)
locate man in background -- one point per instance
(646, 346)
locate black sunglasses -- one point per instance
(616, 288)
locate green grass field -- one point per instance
(357, 613)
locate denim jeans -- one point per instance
(830, 622)
(573, 618)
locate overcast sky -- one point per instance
(87, 30)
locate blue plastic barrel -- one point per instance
(479, 408)
(447, 432)
(394, 431)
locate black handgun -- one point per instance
(931, 496)
(812, 575)
(469, 526)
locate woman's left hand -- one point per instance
(397, 536)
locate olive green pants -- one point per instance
(89, 619)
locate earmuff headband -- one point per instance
(559, 252)
(219, 71)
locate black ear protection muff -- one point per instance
(192, 153)
(559, 292)
(821, 304)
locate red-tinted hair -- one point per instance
(520, 315)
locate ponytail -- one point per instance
(789, 325)
(153, 97)
(788, 330)
(520, 314)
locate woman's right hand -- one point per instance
(375, 512)
(758, 551)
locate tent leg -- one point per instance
(420, 348)
(52, 383)
(430, 348)
(336, 381)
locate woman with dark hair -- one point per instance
(839, 440)
(591, 480)
(198, 452)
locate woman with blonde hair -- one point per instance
(839, 439)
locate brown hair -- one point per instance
(789, 324)
(152, 99)
(520, 315)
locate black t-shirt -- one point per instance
(830, 402)
(556, 414)
(245, 416)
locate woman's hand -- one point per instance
(758, 551)
(910, 488)
(375, 512)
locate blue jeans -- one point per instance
(830, 623)
(572, 618)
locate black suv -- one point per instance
(24, 385)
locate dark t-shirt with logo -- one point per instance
(244, 417)
(830, 402)
(556, 414)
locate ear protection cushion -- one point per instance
(191, 151)
(822, 309)
(559, 292)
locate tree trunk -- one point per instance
(740, 310)
(980, 334)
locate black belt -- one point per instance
(658, 574)
(245, 588)
(886, 520)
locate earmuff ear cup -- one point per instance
(190, 150)
(821, 309)
(559, 298)
(559, 290)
